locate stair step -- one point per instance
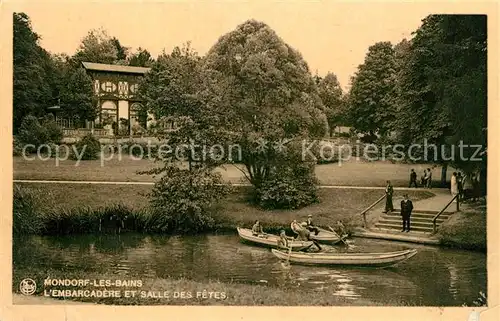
(396, 232)
(399, 227)
(439, 220)
(443, 216)
(400, 222)
(416, 210)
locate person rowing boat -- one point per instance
(303, 233)
(283, 240)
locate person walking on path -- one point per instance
(413, 178)
(429, 178)
(460, 186)
(424, 178)
(389, 190)
(406, 208)
(468, 187)
(454, 185)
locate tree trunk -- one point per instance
(444, 169)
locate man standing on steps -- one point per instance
(406, 208)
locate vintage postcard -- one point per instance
(282, 156)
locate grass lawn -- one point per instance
(352, 173)
(335, 204)
(466, 229)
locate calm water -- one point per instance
(434, 277)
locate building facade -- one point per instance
(116, 89)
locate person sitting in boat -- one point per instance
(300, 230)
(310, 226)
(283, 240)
(303, 233)
(340, 228)
(295, 226)
(257, 229)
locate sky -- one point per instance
(331, 36)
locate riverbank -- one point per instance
(466, 229)
(71, 206)
(69, 203)
(172, 291)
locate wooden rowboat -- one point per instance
(352, 259)
(271, 240)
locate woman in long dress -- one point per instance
(454, 185)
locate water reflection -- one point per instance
(433, 277)
(453, 280)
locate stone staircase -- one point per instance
(421, 221)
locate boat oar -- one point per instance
(340, 237)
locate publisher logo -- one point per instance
(27, 286)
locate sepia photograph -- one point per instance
(236, 154)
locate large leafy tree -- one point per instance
(170, 92)
(443, 88)
(371, 97)
(121, 51)
(260, 85)
(97, 46)
(32, 91)
(76, 96)
(170, 88)
(331, 95)
(183, 199)
(261, 91)
(57, 75)
(141, 58)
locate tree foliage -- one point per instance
(443, 89)
(332, 96)
(184, 201)
(260, 89)
(141, 58)
(31, 91)
(37, 132)
(170, 88)
(42, 79)
(121, 51)
(291, 185)
(87, 148)
(97, 46)
(77, 97)
(372, 95)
